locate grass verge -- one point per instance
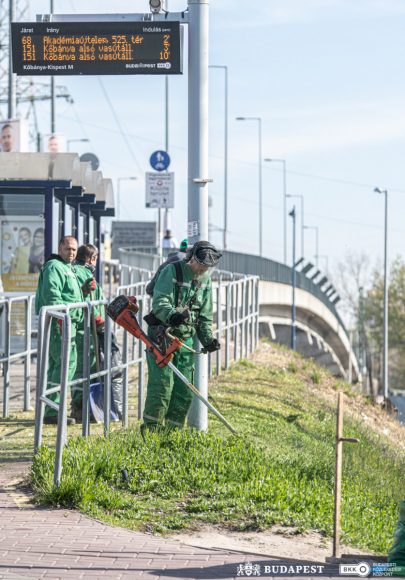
(280, 469)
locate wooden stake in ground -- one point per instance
(338, 473)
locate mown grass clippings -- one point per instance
(279, 470)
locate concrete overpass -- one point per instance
(320, 334)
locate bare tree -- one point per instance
(353, 276)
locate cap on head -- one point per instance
(184, 245)
(204, 253)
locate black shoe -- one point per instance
(53, 420)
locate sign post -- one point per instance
(160, 188)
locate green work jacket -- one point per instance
(169, 295)
(83, 273)
(58, 284)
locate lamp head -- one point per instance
(379, 190)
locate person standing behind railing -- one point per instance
(58, 284)
(85, 266)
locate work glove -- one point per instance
(89, 286)
(179, 317)
(212, 346)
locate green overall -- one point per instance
(58, 284)
(84, 274)
(168, 399)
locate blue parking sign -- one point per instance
(159, 160)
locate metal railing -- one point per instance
(22, 350)
(236, 324)
(115, 275)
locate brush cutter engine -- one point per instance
(123, 310)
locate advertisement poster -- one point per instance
(13, 136)
(54, 143)
(22, 254)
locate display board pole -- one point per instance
(198, 165)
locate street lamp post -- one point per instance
(301, 197)
(385, 322)
(259, 120)
(225, 69)
(133, 178)
(283, 161)
(316, 228)
(76, 141)
(293, 284)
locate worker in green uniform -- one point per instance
(182, 300)
(85, 265)
(58, 284)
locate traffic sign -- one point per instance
(159, 190)
(159, 160)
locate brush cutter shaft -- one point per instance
(202, 399)
(122, 310)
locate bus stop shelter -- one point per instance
(43, 197)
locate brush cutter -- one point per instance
(123, 310)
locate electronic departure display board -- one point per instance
(96, 48)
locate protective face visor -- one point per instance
(207, 256)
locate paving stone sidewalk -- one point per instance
(39, 543)
(44, 543)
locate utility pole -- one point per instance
(167, 224)
(12, 85)
(198, 166)
(52, 89)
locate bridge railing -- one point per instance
(246, 264)
(236, 264)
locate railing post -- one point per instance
(62, 413)
(6, 364)
(42, 369)
(107, 376)
(125, 379)
(227, 322)
(141, 366)
(27, 358)
(236, 322)
(86, 371)
(219, 327)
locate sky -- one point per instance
(327, 79)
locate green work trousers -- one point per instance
(77, 391)
(55, 364)
(168, 399)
